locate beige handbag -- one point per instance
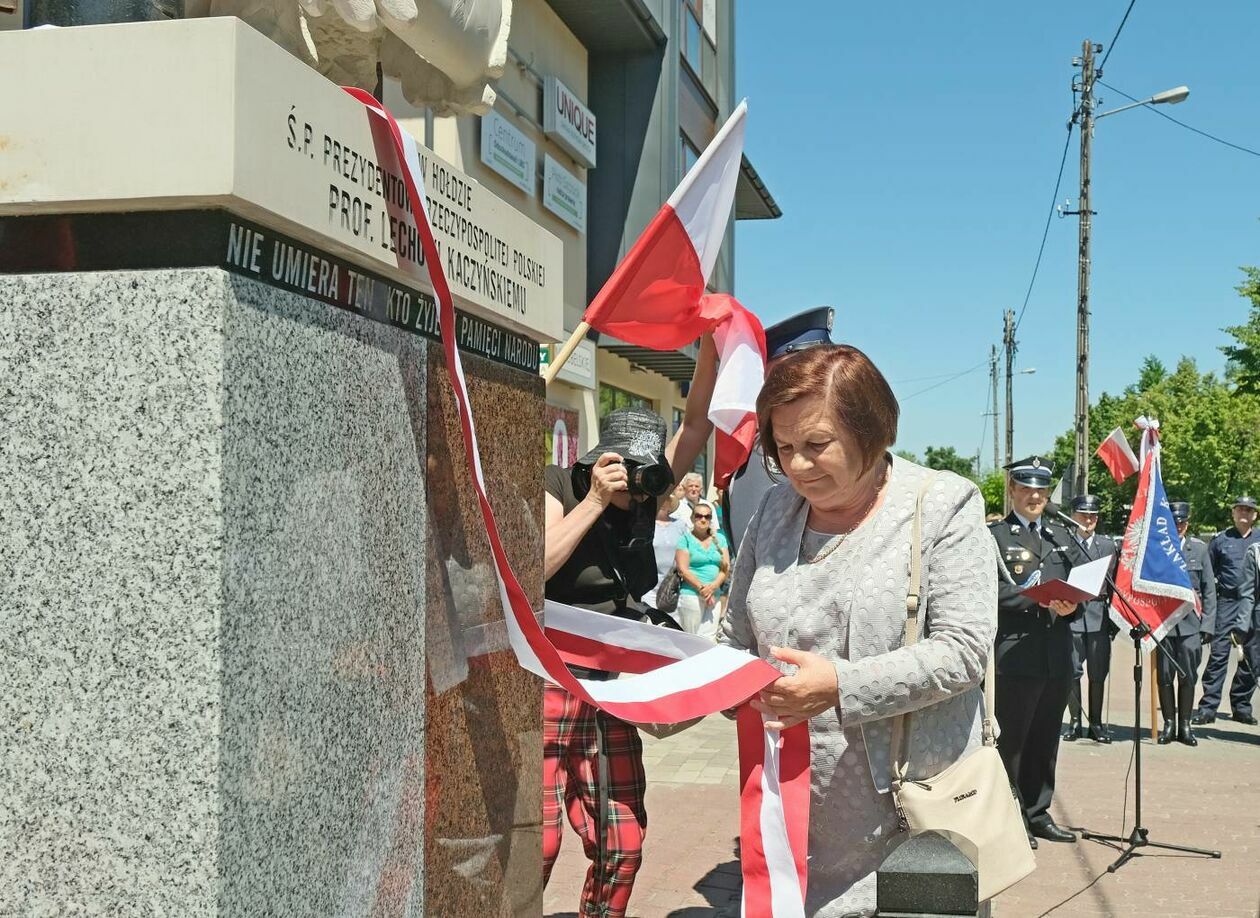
(971, 802)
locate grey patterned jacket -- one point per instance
(937, 678)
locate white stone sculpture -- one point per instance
(444, 52)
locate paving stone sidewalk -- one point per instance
(1208, 796)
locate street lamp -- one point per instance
(1167, 97)
(1087, 118)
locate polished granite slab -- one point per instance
(251, 654)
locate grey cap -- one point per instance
(634, 433)
(1180, 510)
(1245, 500)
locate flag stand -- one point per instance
(565, 352)
(1140, 836)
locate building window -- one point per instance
(698, 48)
(611, 398)
(693, 35)
(687, 154)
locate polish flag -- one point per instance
(1117, 456)
(741, 347)
(656, 296)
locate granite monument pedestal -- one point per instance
(252, 658)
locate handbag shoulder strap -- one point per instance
(901, 729)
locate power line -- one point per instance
(984, 425)
(1152, 108)
(1119, 29)
(1054, 198)
(947, 380)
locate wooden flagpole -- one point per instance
(566, 352)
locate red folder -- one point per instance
(1084, 583)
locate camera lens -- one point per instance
(655, 480)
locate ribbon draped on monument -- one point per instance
(1152, 573)
(677, 676)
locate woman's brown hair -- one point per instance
(859, 398)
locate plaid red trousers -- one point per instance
(571, 784)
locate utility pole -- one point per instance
(993, 378)
(1008, 344)
(1086, 114)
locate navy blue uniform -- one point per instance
(1033, 659)
(1092, 632)
(1185, 641)
(1227, 555)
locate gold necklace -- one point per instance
(828, 549)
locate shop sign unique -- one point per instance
(564, 194)
(561, 435)
(508, 152)
(568, 122)
(579, 369)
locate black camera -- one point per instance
(654, 479)
(645, 479)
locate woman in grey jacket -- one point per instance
(820, 585)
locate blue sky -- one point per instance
(913, 147)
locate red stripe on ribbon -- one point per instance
(579, 650)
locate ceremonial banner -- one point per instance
(679, 679)
(1152, 573)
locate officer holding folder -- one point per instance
(1033, 649)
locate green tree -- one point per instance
(1244, 354)
(906, 455)
(946, 458)
(993, 490)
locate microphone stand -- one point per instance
(1140, 836)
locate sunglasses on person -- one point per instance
(702, 516)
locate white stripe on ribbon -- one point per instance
(698, 683)
(785, 886)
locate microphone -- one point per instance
(1072, 524)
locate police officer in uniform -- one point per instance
(1185, 641)
(1033, 649)
(1092, 630)
(1227, 553)
(795, 333)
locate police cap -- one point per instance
(1086, 503)
(798, 332)
(1180, 510)
(1245, 500)
(1033, 472)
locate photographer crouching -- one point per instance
(600, 519)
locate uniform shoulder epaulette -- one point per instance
(996, 523)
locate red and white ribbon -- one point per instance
(679, 676)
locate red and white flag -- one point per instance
(655, 298)
(1117, 456)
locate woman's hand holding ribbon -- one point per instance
(794, 699)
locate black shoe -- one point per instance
(1099, 735)
(1202, 717)
(1050, 832)
(1245, 719)
(1186, 735)
(1168, 734)
(1032, 842)
(1073, 732)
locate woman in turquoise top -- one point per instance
(703, 564)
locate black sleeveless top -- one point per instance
(588, 578)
